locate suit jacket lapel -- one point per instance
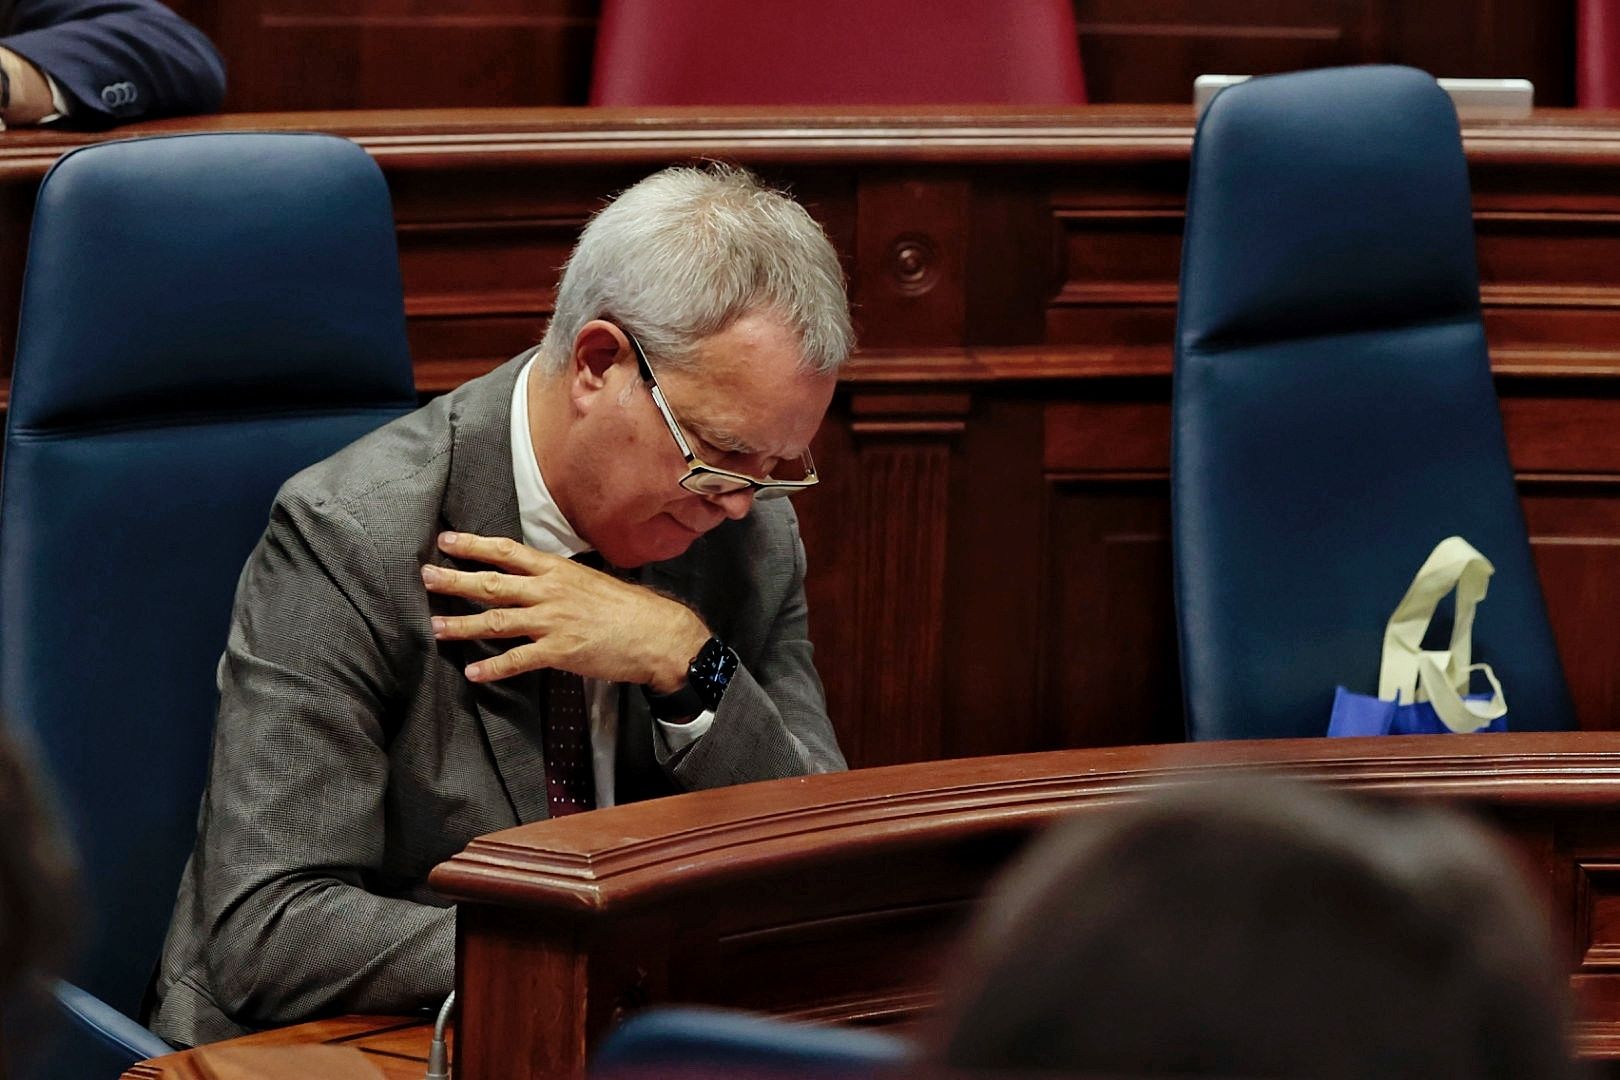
(636, 772)
(481, 498)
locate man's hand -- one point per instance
(581, 620)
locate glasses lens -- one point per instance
(704, 482)
(797, 469)
(769, 493)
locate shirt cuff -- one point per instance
(58, 100)
(677, 737)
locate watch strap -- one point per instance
(707, 676)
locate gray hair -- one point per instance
(687, 252)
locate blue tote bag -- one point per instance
(1426, 691)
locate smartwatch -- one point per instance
(706, 679)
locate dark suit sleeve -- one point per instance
(772, 721)
(118, 60)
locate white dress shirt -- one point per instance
(59, 101)
(545, 529)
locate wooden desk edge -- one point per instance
(416, 1032)
(617, 856)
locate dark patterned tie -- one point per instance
(570, 779)
(570, 775)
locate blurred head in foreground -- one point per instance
(38, 897)
(1262, 928)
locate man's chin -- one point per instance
(661, 539)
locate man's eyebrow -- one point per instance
(720, 439)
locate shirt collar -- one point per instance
(544, 527)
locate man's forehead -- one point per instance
(754, 339)
(751, 415)
(737, 435)
(721, 436)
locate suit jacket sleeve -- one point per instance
(293, 820)
(119, 60)
(772, 721)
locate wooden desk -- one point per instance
(991, 537)
(344, 1048)
(836, 897)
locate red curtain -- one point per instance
(1597, 54)
(836, 52)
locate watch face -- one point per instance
(711, 671)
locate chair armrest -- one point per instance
(111, 1028)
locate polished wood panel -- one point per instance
(991, 537)
(1108, 635)
(390, 54)
(1152, 52)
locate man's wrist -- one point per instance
(669, 672)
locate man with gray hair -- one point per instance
(549, 590)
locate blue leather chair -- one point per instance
(1334, 414)
(202, 316)
(705, 1042)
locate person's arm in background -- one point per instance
(112, 61)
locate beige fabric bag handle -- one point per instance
(1409, 673)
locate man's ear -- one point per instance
(597, 347)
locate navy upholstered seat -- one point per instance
(202, 316)
(1334, 412)
(704, 1042)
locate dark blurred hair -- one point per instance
(1261, 928)
(38, 894)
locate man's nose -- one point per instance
(735, 504)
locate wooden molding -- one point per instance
(602, 861)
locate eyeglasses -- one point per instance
(704, 479)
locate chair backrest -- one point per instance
(1334, 414)
(705, 1042)
(202, 316)
(836, 52)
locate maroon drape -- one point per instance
(836, 52)
(1597, 54)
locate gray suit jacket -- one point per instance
(352, 755)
